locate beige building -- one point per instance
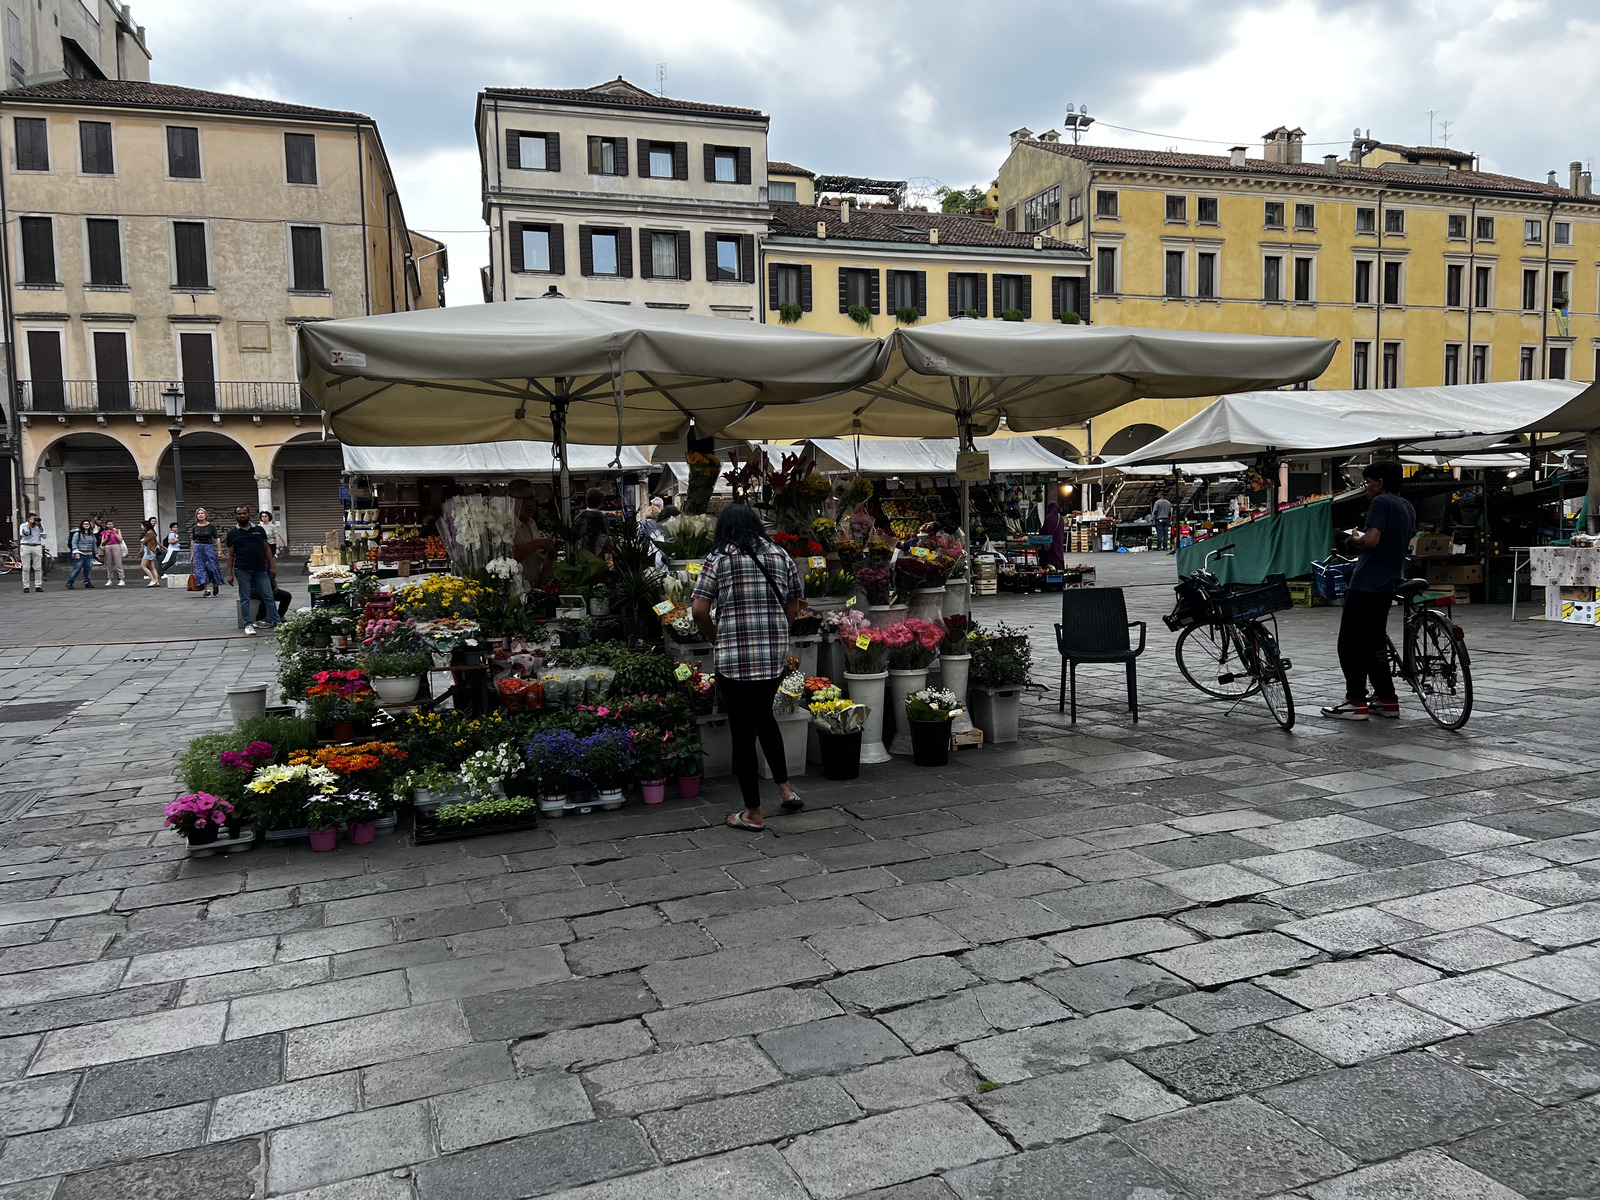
(48, 40)
(612, 193)
(161, 237)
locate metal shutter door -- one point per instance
(114, 493)
(218, 492)
(311, 508)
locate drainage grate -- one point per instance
(14, 804)
(42, 710)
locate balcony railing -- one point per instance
(87, 396)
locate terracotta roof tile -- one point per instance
(1464, 181)
(877, 225)
(132, 93)
(619, 93)
(783, 168)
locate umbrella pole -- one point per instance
(558, 425)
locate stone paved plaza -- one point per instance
(1193, 957)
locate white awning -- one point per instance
(933, 456)
(508, 459)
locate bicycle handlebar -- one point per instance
(1223, 551)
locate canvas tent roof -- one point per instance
(932, 456)
(510, 459)
(1457, 417)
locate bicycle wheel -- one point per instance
(1272, 674)
(1442, 677)
(1209, 658)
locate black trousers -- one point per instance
(749, 706)
(1362, 653)
(281, 598)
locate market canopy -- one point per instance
(964, 375)
(509, 459)
(931, 456)
(1474, 415)
(614, 374)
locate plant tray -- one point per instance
(287, 835)
(428, 829)
(244, 841)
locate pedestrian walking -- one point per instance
(250, 561)
(274, 532)
(1382, 546)
(203, 544)
(755, 587)
(83, 546)
(1161, 514)
(33, 538)
(149, 544)
(174, 543)
(1056, 530)
(112, 550)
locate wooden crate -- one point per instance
(963, 741)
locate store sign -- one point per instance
(346, 358)
(972, 465)
(818, 562)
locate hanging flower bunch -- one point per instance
(855, 493)
(478, 529)
(703, 470)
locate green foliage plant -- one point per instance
(789, 314)
(909, 315)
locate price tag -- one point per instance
(863, 642)
(693, 568)
(921, 552)
(663, 608)
(818, 562)
(850, 603)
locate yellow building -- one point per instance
(842, 269)
(161, 237)
(1426, 270)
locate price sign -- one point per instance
(818, 562)
(663, 608)
(693, 568)
(921, 552)
(863, 642)
(850, 603)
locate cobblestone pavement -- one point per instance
(1196, 957)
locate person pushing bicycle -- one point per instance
(1382, 546)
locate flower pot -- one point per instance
(927, 604)
(881, 616)
(793, 726)
(609, 799)
(930, 743)
(825, 604)
(342, 731)
(397, 689)
(654, 791)
(841, 754)
(321, 641)
(441, 661)
(713, 728)
(995, 710)
(958, 597)
(247, 700)
(901, 685)
(688, 786)
(805, 649)
(868, 690)
(690, 652)
(553, 806)
(324, 839)
(203, 837)
(363, 832)
(953, 674)
(599, 606)
(341, 641)
(830, 657)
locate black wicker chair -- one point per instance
(1095, 629)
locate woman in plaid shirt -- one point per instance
(755, 588)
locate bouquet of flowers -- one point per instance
(880, 548)
(912, 572)
(913, 644)
(687, 535)
(790, 688)
(743, 480)
(931, 704)
(959, 634)
(200, 814)
(876, 583)
(855, 493)
(700, 687)
(478, 529)
(942, 545)
(864, 648)
(819, 687)
(824, 530)
(703, 471)
(850, 551)
(839, 715)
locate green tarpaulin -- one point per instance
(1285, 544)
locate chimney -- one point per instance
(1275, 145)
(1574, 173)
(844, 212)
(1038, 242)
(1021, 134)
(1330, 164)
(822, 229)
(1297, 138)
(1586, 184)
(933, 236)
(1236, 156)
(1551, 179)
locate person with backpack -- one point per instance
(84, 546)
(755, 588)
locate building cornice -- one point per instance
(834, 247)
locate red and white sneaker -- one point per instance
(1386, 708)
(1349, 710)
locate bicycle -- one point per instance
(11, 560)
(1435, 661)
(1225, 648)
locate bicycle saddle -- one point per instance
(1410, 587)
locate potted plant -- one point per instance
(1002, 665)
(686, 538)
(607, 759)
(910, 314)
(839, 725)
(279, 793)
(475, 817)
(686, 762)
(486, 772)
(396, 675)
(955, 662)
(865, 653)
(928, 714)
(912, 647)
(788, 313)
(860, 314)
(361, 812)
(652, 755)
(199, 817)
(433, 785)
(322, 816)
(555, 758)
(336, 700)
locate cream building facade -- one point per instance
(161, 237)
(49, 40)
(612, 193)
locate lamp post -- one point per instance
(172, 398)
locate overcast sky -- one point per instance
(923, 90)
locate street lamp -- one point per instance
(172, 398)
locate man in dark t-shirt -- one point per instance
(250, 559)
(1383, 547)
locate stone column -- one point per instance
(263, 494)
(152, 503)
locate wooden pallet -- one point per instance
(962, 741)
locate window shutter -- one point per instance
(625, 254)
(594, 156)
(644, 161)
(513, 151)
(685, 267)
(772, 287)
(747, 258)
(1027, 297)
(954, 283)
(922, 291)
(844, 289)
(619, 155)
(1055, 299)
(872, 291)
(711, 164)
(711, 256)
(680, 161)
(516, 246)
(805, 288)
(38, 250)
(552, 152)
(982, 293)
(646, 264)
(585, 250)
(997, 299)
(741, 172)
(558, 250)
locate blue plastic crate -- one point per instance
(1331, 580)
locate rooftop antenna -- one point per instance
(1078, 121)
(1444, 133)
(661, 79)
(1432, 112)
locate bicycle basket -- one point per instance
(1330, 580)
(1270, 597)
(1191, 606)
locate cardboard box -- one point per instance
(1576, 613)
(1466, 573)
(1437, 573)
(1580, 595)
(1430, 545)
